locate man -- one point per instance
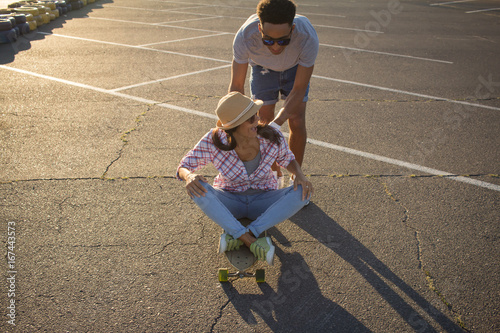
(281, 47)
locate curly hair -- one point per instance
(276, 11)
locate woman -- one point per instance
(243, 152)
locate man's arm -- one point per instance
(294, 99)
(238, 77)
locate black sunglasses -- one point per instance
(279, 41)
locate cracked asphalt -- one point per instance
(402, 235)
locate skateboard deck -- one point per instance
(242, 260)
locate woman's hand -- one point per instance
(193, 185)
(300, 179)
(307, 188)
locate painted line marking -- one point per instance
(249, 8)
(189, 20)
(181, 11)
(386, 53)
(169, 78)
(408, 93)
(404, 164)
(343, 28)
(161, 25)
(482, 10)
(311, 141)
(156, 10)
(136, 47)
(314, 76)
(182, 40)
(450, 2)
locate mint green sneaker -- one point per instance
(263, 249)
(228, 243)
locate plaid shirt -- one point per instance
(232, 175)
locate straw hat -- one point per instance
(234, 109)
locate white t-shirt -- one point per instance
(302, 50)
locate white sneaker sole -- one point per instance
(222, 243)
(270, 253)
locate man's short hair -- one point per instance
(276, 11)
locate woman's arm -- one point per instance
(300, 179)
(193, 186)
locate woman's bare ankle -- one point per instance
(247, 239)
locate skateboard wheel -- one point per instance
(260, 276)
(223, 275)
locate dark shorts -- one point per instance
(268, 85)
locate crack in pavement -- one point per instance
(211, 176)
(124, 138)
(431, 283)
(221, 310)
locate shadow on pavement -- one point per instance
(333, 236)
(297, 305)
(9, 51)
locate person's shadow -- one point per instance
(298, 304)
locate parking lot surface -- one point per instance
(98, 106)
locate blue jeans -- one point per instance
(267, 85)
(265, 209)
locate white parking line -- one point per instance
(189, 20)
(386, 53)
(169, 78)
(312, 141)
(136, 47)
(178, 11)
(251, 8)
(314, 76)
(216, 33)
(155, 9)
(217, 17)
(182, 40)
(405, 165)
(430, 97)
(450, 2)
(482, 10)
(160, 25)
(344, 28)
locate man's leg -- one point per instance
(298, 133)
(266, 113)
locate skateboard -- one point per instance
(242, 260)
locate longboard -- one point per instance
(242, 260)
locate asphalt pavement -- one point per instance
(98, 106)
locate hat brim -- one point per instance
(253, 110)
